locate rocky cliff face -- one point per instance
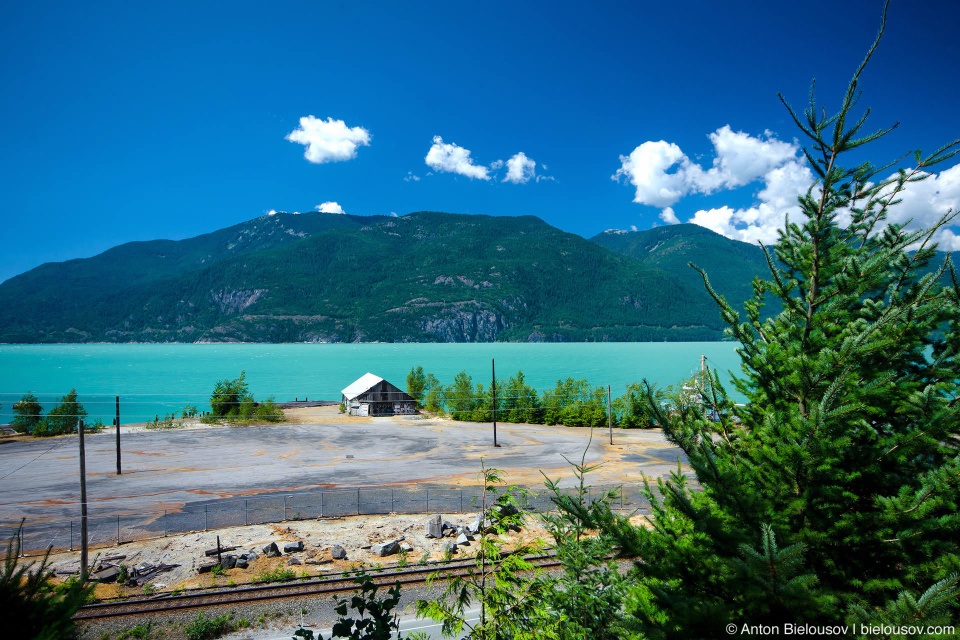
(464, 322)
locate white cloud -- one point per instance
(740, 160)
(452, 158)
(328, 140)
(411, 176)
(520, 169)
(330, 207)
(646, 169)
(662, 174)
(496, 164)
(633, 227)
(668, 216)
(762, 221)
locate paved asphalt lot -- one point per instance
(170, 468)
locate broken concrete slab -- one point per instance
(109, 574)
(271, 550)
(293, 547)
(385, 549)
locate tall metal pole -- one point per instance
(83, 507)
(118, 435)
(609, 415)
(493, 369)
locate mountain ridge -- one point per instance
(423, 277)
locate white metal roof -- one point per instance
(362, 384)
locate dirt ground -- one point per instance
(355, 534)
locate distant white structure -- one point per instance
(371, 395)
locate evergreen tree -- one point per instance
(33, 606)
(63, 418)
(27, 414)
(230, 396)
(416, 382)
(461, 397)
(833, 494)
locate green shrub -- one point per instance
(269, 411)
(139, 632)
(204, 628)
(277, 575)
(167, 422)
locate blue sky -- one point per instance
(135, 121)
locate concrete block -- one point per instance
(433, 528)
(385, 549)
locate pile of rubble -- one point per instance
(499, 514)
(320, 546)
(112, 569)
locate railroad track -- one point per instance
(275, 591)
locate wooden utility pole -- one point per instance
(118, 435)
(83, 506)
(609, 415)
(493, 369)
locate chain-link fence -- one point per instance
(40, 533)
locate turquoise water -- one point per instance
(153, 379)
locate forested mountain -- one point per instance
(324, 277)
(730, 264)
(424, 277)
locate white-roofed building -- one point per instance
(371, 395)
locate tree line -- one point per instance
(63, 418)
(574, 403)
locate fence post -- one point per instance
(428, 500)
(321, 504)
(118, 529)
(461, 500)
(22, 554)
(284, 508)
(71, 535)
(204, 517)
(164, 523)
(246, 513)
(391, 499)
(358, 501)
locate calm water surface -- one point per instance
(154, 379)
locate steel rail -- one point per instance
(290, 589)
